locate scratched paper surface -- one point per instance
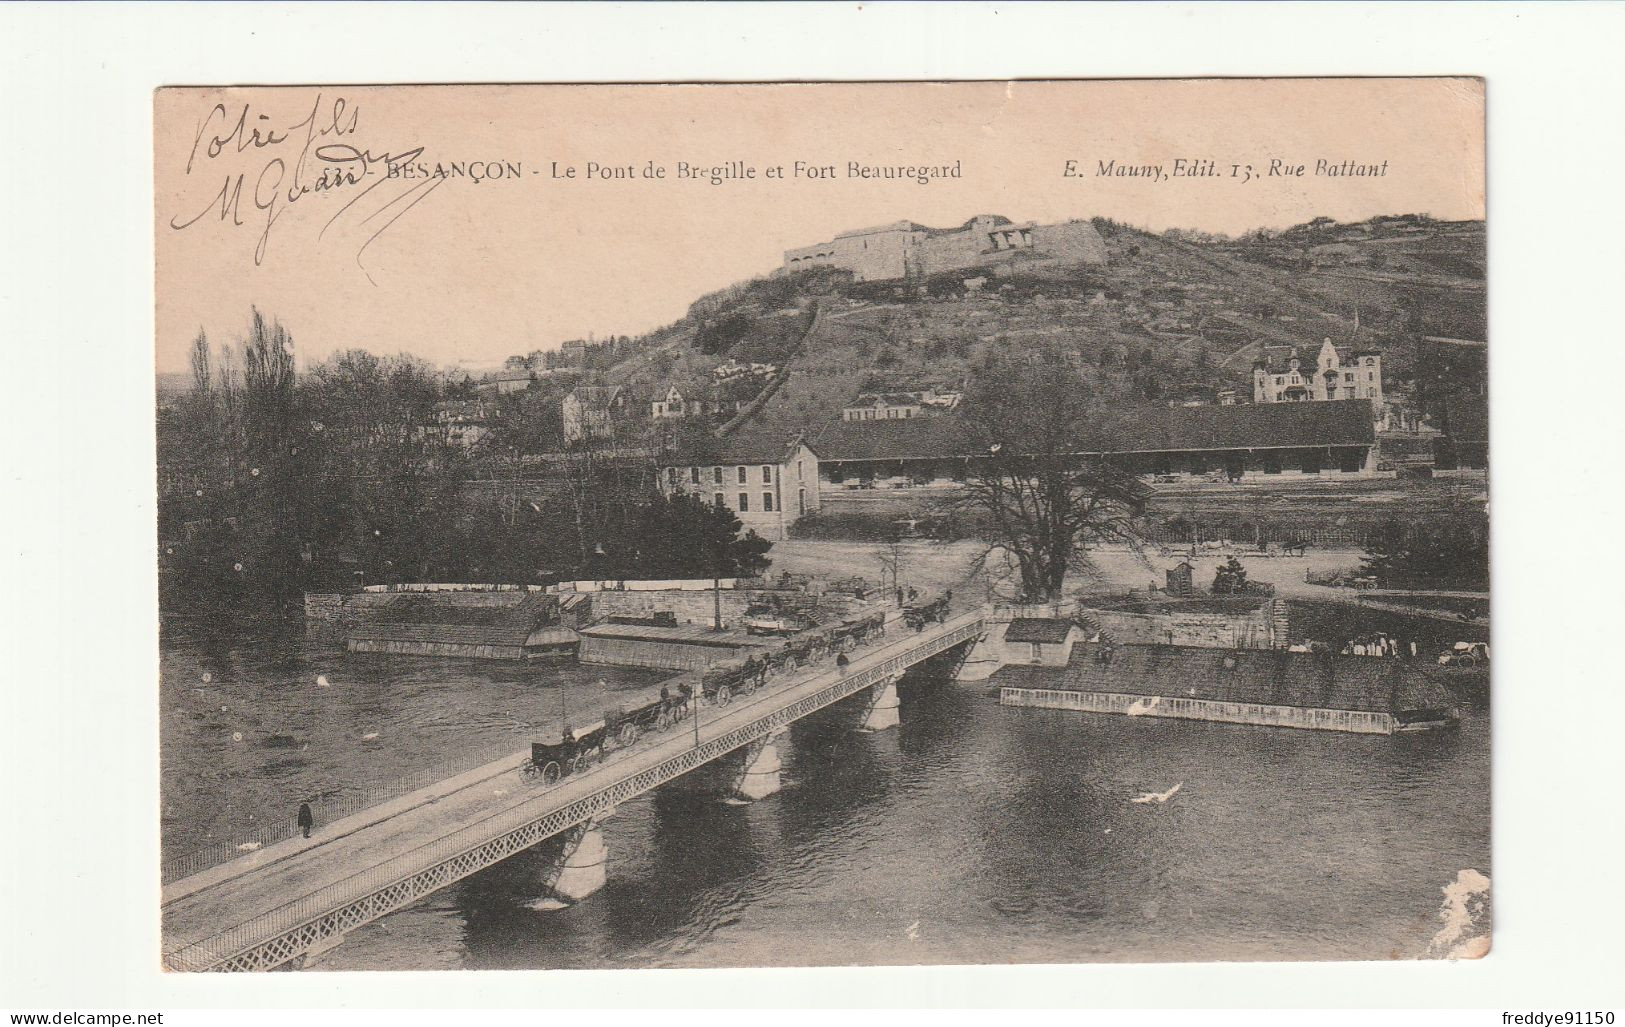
(634, 526)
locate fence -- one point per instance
(272, 938)
(1241, 536)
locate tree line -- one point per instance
(274, 482)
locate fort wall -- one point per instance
(905, 250)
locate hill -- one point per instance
(1181, 313)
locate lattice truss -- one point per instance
(237, 949)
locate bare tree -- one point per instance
(1038, 481)
(202, 374)
(891, 562)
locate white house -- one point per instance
(898, 406)
(1281, 376)
(674, 405)
(768, 480)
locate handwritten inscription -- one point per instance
(253, 168)
(286, 162)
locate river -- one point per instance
(974, 833)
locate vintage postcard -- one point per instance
(624, 526)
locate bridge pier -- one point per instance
(883, 703)
(758, 777)
(580, 869)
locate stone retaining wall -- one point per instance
(1355, 721)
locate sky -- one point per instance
(454, 269)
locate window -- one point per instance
(742, 478)
(767, 502)
(744, 502)
(1038, 651)
(694, 475)
(801, 501)
(801, 470)
(717, 499)
(671, 476)
(767, 474)
(716, 476)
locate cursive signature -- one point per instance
(286, 163)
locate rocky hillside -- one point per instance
(1181, 313)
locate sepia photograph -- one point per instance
(823, 524)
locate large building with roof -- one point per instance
(906, 250)
(1281, 375)
(1332, 438)
(769, 480)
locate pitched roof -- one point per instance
(1275, 359)
(1037, 629)
(749, 446)
(1267, 676)
(887, 398)
(596, 395)
(919, 438)
(1339, 422)
(1342, 422)
(458, 634)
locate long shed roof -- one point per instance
(1344, 422)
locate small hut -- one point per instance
(1179, 580)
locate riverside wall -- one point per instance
(1356, 721)
(1252, 629)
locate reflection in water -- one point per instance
(972, 833)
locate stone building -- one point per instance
(1045, 641)
(506, 382)
(463, 422)
(673, 404)
(1282, 376)
(768, 480)
(731, 369)
(906, 250)
(894, 406)
(590, 411)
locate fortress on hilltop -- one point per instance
(905, 250)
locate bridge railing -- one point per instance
(280, 827)
(509, 824)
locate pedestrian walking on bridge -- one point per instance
(307, 819)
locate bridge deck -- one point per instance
(381, 859)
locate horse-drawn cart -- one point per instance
(576, 751)
(581, 748)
